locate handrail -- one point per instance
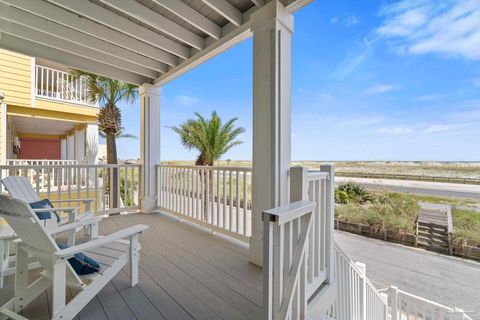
(248, 169)
(289, 212)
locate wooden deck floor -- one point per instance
(185, 273)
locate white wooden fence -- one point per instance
(60, 85)
(357, 297)
(218, 198)
(41, 162)
(83, 181)
(407, 306)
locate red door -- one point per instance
(31, 148)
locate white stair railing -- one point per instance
(285, 233)
(357, 297)
(404, 305)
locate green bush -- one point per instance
(351, 192)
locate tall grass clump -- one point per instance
(382, 211)
(466, 227)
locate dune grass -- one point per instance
(387, 211)
(466, 227)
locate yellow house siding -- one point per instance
(58, 106)
(16, 78)
(50, 114)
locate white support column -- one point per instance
(92, 143)
(272, 27)
(149, 144)
(80, 145)
(3, 132)
(71, 147)
(63, 149)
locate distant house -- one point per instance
(45, 112)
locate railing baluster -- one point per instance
(230, 190)
(237, 200)
(245, 202)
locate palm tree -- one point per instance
(212, 139)
(120, 135)
(108, 93)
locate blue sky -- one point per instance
(372, 80)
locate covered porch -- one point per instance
(280, 260)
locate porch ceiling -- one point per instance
(142, 41)
(42, 126)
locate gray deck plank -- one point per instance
(185, 274)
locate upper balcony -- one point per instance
(61, 86)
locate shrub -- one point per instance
(351, 192)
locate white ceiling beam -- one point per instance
(67, 46)
(157, 21)
(225, 9)
(69, 19)
(295, 5)
(119, 23)
(258, 3)
(192, 16)
(38, 23)
(16, 44)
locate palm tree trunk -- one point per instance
(112, 159)
(202, 161)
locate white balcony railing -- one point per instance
(218, 198)
(60, 85)
(81, 181)
(41, 162)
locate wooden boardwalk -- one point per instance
(185, 273)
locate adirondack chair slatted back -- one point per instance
(28, 227)
(19, 187)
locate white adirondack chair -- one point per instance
(112, 252)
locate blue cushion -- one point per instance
(43, 204)
(81, 263)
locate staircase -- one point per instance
(433, 227)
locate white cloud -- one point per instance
(438, 128)
(334, 20)
(380, 88)
(451, 28)
(186, 101)
(476, 81)
(396, 130)
(326, 96)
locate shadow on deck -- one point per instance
(185, 273)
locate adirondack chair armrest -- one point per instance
(72, 211)
(122, 234)
(75, 225)
(65, 209)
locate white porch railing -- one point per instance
(404, 305)
(218, 198)
(41, 162)
(83, 181)
(357, 297)
(60, 85)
